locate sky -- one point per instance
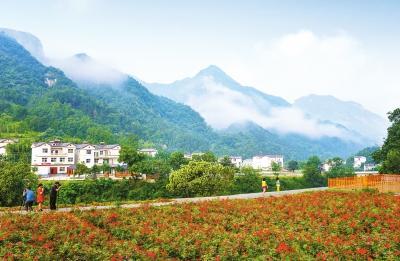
(348, 49)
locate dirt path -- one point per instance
(184, 200)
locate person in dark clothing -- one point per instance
(53, 195)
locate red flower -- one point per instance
(362, 251)
(283, 248)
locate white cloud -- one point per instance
(302, 63)
(85, 69)
(221, 107)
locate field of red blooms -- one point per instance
(321, 225)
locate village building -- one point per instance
(359, 161)
(4, 143)
(236, 161)
(263, 162)
(149, 152)
(56, 157)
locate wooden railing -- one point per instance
(381, 182)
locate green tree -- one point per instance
(247, 181)
(81, 169)
(226, 162)
(293, 165)
(200, 178)
(14, 177)
(391, 164)
(388, 154)
(276, 168)
(339, 169)
(129, 151)
(177, 159)
(207, 156)
(312, 172)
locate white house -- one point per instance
(236, 160)
(54, 157)
(326, 166)
(358, 161)
(4, 143)
(107, 154)
(149, 152)
(85, 154)
(369, 166)
(264, 162)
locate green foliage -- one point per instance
(177, 160)
(226, 162)
(388, 154)
(207, 156)
(293, 165)
(391, 164)
(14, 177)
(312, 172)
(247, 181)
(129, 151)
(276, 168)
(151, 166)
(200, 178)
(81, 169)
(339, 169)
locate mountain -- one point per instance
(45, 100)
(28, 41)
(94, 107)
(349, 114)
(213, 93)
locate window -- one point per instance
(45, 150)
(70, 159)
(54, 151)
(96, 161)
(87, 160)
(62, 159)
(62, 169)
(96, 154)
(44, 159)
(70, 150)
(101, 152)
(53, 159)
(88, 151)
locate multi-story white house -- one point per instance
(53, 157)
(107, 154)
(264, 162)
(85, 154)
(4, 143)
(149, 152)
(358, 161)
(56, 157)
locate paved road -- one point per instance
(188, 200)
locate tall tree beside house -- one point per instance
(276, 168)
(389, 154)
(177, 160)
(81, 169)
(129, 151)
(14, 177)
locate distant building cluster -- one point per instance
(263, 162)
(56, 157)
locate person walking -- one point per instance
(53, 195)
(29, 196)
(278, 184)
(264, 185)
(40, 196)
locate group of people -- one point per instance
(264, 185)
(29, 197)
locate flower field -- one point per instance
(319, 225)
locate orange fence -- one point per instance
(382, 182)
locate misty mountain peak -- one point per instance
(214, 71)
(82, 56)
